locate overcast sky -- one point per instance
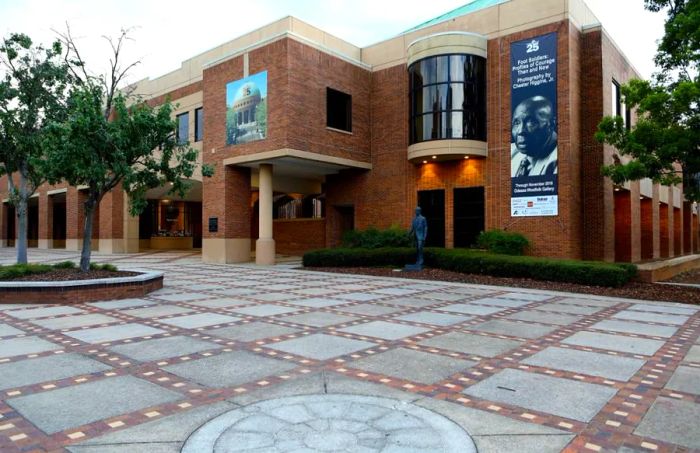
(166, 33)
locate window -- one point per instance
(198, 124)
(448, 98)
(183, 127)
(619, 107)
(338, 110)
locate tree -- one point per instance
(105, 141)
(664, 144)
(32, 92)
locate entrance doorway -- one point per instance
(468, 215)
(432, 203)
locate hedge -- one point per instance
(477, 262)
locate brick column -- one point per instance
(226, 202)
(75, 217)
(3, 224)
(687, 228)
(664, 230)
(111, 222)
(646, 214)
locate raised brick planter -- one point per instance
(79, 291)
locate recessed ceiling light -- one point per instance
(434, 157)
(466, 157)
(425, 161)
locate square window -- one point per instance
(183, 127)
(198, 124)
(338, 110)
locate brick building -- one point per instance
(311, 136)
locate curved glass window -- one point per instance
(448, 98)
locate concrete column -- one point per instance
(45, 221)
(265, 245)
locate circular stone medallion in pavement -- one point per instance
(330, 423)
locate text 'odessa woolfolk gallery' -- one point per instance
(483, 116)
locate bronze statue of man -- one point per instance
(419, 231)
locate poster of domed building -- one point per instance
(246, 109)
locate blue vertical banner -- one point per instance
(533, 147)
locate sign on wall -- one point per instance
(246, 109)
(533, 148)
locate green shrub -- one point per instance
(503, 242)
(356, 257)
(480, 262)
(64, 265)
(372, 238)
(103, 267)
(20, 270)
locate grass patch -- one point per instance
(467, 261)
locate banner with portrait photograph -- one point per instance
(246, 109)
(533, 148)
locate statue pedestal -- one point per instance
(413, 268)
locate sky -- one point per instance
(166, 33)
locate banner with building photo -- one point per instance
(246, 109)
(533, 149)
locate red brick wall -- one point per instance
(623, 226)
(664, 230)
(297, 236)
(647, 227)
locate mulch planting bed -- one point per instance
(691, 277)
(61, 275)
(633, 290)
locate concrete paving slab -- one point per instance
(25, 345)
(513, 329)
(544, 317)
(317, 302)
(472, 309)
(252, 331)
(123, 303)
(306, 384)
(685, 379)
(172, 429)
(157, 311)
(169, 447)
(611, 342)
(57, 410)
(183, 297)
(370, 309)
(318, 319)
(114, 333)
(651, 317)
(33, 313)
(416, 302)
(396, 291)
(499, 302)
(542, 393)
(200, 320)
(693, 354)
(274, 297)
(433, 367)
(321, 346)
(471, 344)
(523, 444)
(437, 319)
(7, 330)
(636, 328)
(445, 296)
(219, 303)
(264, 310)
(162, 348)
(43, 369)
(684, 310)
(336, 383)
(672, 420)
(590, 363)
(360, 296)
(234, 292)
(532, 297)
(228, 369)
(384, 330)
(481, 423)
(569, 308)
(69, 322)
(592, 302)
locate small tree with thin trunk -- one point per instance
(33, 85)
(105, 142)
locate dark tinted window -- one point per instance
(183, 127)
(338, 110)
(198, 125)
(448, 98)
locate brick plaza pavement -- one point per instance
(518, 370)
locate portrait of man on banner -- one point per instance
(533, 150)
